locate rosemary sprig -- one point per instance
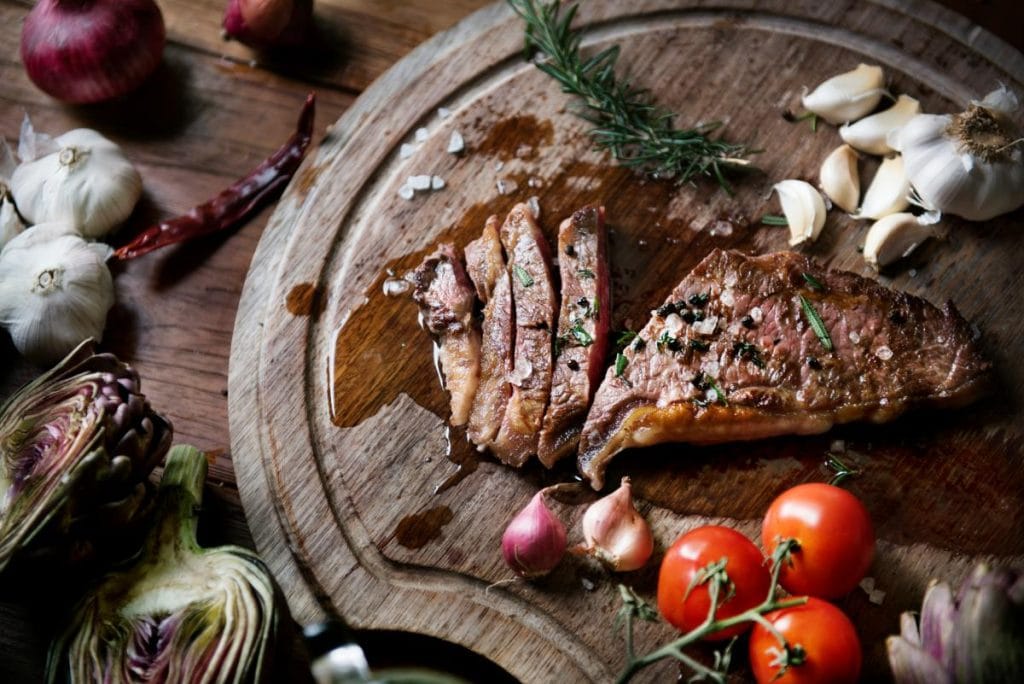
(816, 323)
(626, 120)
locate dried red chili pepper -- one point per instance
(234, 204)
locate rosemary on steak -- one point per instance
(816, 323)
(626, 121)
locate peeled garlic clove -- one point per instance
(871, 134)
(55, 291)
(615, 533)
(891, 238)
(888, 192)
(87, 182)
(848, 96)
(839, 178)
(804, 209)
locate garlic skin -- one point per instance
(55, 291)
(894, 237)
(804, 209)
(889, 191)
(839, 179)
(871, 133)
(615, 533)
(10, 222)
(848, 96)
(969, 164)
(80, 177)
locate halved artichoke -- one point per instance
(179, 613)
(77, 446)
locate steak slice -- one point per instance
(732, 355)
(533, 296)
(497, 348)
(446, 299)
(485, 261)
(583, 323)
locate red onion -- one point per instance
(83, 51)
(534, 541)
(268, 23)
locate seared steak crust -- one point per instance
(583, 324)
(732, 355)
(485, 261)
(533, 297)
(446, 299)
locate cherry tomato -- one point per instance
(745, 566)
(829, 644)
(834, 536)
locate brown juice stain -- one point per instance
(419, 529)
(949, 483)
(519, 136)
(305, 299)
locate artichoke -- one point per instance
(77, 446)
(179, 613)
(976, 638)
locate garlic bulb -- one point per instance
(969, 164)
(871, 133)
(897, 235)
(80, 177)
(889, 190)
(804, 209)
(10, 222)
(839, 179)
(55, 291)
(848, 96)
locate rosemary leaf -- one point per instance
(581, 335)
(525, 279)
(626, 121)
(623, 339)
(585, 273)
(817, 324)
(813, 282)
(620, 364)
(773, 220)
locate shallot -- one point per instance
(615, 533)
(268, 23)
(534, 542)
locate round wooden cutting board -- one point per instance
(357, 499)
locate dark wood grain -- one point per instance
(212, 111)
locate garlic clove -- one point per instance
(894, 237)
(848, 96)
(871, 133)
(55, 291)
(804, 209)
(888, 192)
(839, 178)
(615, 533)
(87, 182)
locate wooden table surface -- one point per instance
(212, 112)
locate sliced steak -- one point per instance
(446, 299)
(533, 297)
(485, 261)
(733, 355)
(583, 323)
(498, 335)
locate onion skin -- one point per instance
(268, 23)
(86, 51)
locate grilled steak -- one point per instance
(733, 355)
(484, 260)
(446, 299)
(487, 267)
(583, 323)
(533, 297)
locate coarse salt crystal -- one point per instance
(436, 182)
(705, 327)
(506, 187)
(883, 353)
(673, 324)
(854, 337)
(444, 112)
(756, 314)
(877, 597)
(406, 150)
(711, 368)
(393, 287)
(711, 396)
(534, 204)
(456, 143)
(499, 165)
(535, 182)
(405, 192)
(419, 182)
(421, 134)
(727, 298)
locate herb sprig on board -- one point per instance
(626, 121)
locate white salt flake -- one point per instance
(421, 134)
(522, 372)
(711, 368)
(499, 165)
(867, 584)
(419, 182)
(883, 353)
(588, 585)
(534, 205)
(534, 182)
(507, 187)
(673, 324)
(877, 597)
(406, 150)
(854, 337)
(705, 327)
(711, 396)
(456, 143)
(436, 182)
(405, 192)
(394, 287)
(444, 112)
(727, 298)
(756, 314)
